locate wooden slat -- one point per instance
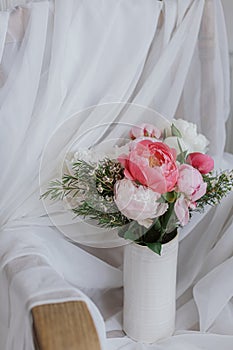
(64, 326)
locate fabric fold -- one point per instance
(73, 67)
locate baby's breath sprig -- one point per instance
(106, 175)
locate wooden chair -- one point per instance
(64, 326)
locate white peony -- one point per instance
(138, 202)
(190, 141)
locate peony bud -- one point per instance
(201, 162)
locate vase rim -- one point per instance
(165, 246)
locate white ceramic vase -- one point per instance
(150, 292)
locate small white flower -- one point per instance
(94, 155)
(116, 151)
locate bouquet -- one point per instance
(146, 188)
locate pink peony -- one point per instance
(152, 164)
(137, 202)
(192, 187)
(144, 130)
(190, 182)
(182, 210)
(200, 161)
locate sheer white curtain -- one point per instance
(58, 58)
(228, 11)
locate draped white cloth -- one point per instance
(58, 58)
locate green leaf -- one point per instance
(130, 235)
(182, 157)
(175, 131)
(131, 231)
(155, 247)
(121, 231)
(166, 216)
(156, 225)
(170, 196)
(180, 148)
(183, 154)
(162, 199)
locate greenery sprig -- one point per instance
(94, 185)
(218, 186)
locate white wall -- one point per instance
(228, 10)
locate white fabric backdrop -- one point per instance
(59, 58)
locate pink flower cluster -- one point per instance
(144, 130)
(151, 170)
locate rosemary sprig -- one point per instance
(218, 186)
(104, 219)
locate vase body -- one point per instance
(150, 292)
